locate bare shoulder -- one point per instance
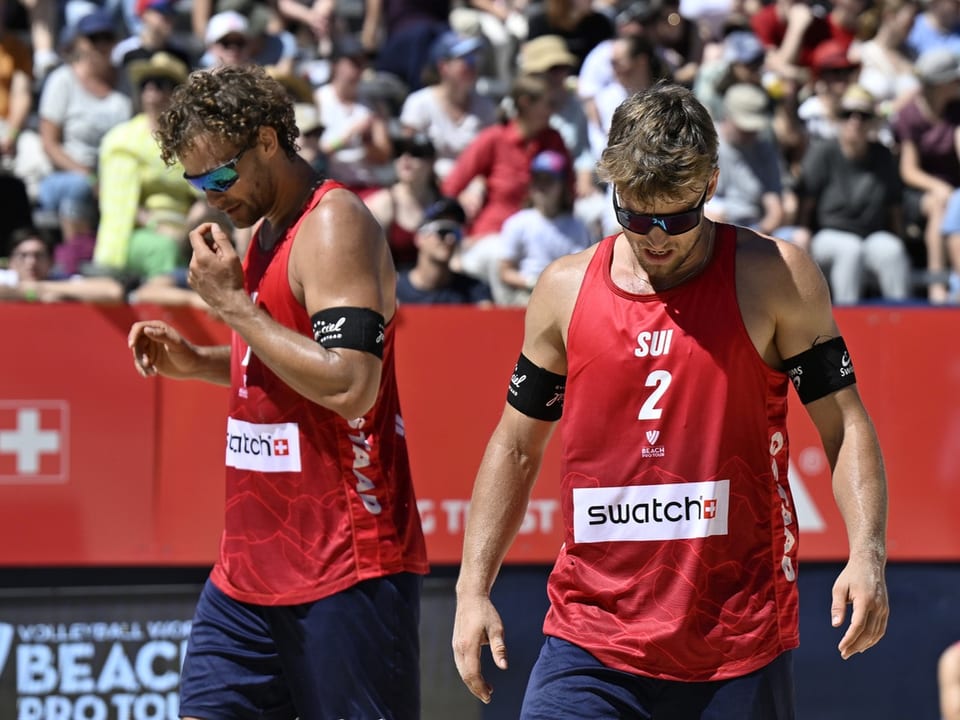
(340, 256)
(778, 272)
(566, 272)
(551, 307)
(783, 296)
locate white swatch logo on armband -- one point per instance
(677, 511)
(263, 447)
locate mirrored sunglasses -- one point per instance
(672, 223)
(220, 179)
(448, 230)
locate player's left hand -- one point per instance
(215, 272)
(862, 584)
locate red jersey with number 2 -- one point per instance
(315, 503)
(680, 551)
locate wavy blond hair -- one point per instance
(662, 144)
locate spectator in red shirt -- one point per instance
(499, 158)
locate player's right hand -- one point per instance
(158, 349)
(477, 623)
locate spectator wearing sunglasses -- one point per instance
(227, 40)
(400, 208)
(851, 207)
(432, 280)
(668, 350)
(80, 102)
(322, 551)
(144, 204)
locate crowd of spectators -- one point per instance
(472, 129)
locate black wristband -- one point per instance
(350, 327)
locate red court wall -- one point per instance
(99, 467)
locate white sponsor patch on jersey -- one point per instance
(266, 447)
(677, 511)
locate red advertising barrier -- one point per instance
(101, 467)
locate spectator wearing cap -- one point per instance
(227, 40)
(154, 33)
(500, 157)
(740, 60)
(833, 71)
(144, 205)
(432, 280)
(937, 26)
(401, 207)
(450, 111)
(355, 140)
(926, 129)
(581, 27)
(534, 237)
(79, 104)
(850, 206)
(749, 189)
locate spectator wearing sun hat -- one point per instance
(749, 189)
(144, 204)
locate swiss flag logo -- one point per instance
(709, 509)
(281, 446)
(33, 441)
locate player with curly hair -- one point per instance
(312, 608)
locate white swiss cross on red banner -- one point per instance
(33, 441)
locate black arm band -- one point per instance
(349, 327)
(821, 370)
(536, 392)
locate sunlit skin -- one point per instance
(663, 260)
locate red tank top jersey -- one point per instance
(314, 503)
(679, 559)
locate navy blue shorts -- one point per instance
(568, 682)
(351, 656)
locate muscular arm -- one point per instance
(501, 492)
(803, 314)
(336, 261)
